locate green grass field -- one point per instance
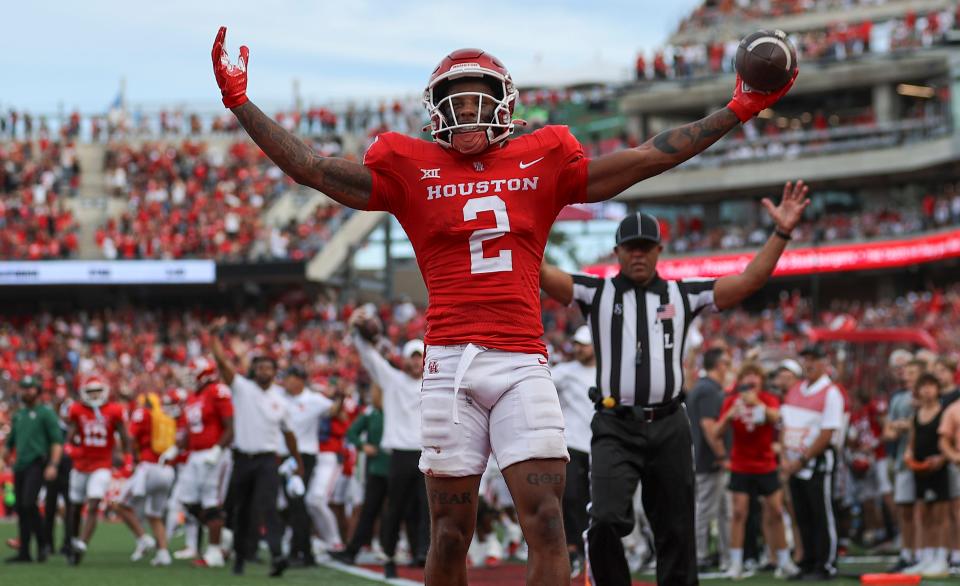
(108, 564)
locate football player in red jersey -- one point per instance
(477, 208)
(93, 423)
(208, 420)
(154, 437)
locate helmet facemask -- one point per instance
(493, 121)
(94, 395)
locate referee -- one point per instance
(261, 419)
(639, 323)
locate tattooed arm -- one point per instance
(346, 182)
(611, 174)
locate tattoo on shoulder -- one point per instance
(695, 136)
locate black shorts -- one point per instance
(754, 484)
(933, 487)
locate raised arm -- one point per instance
(611, 174)
(556, 283)
(732, 289)
(344, 181)
(224, 364)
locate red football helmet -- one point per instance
(171, 401)
(479, 133)
(202, 372)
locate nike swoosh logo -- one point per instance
(530, 164)
(541, 361)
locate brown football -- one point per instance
(766, 60)
(369, 328)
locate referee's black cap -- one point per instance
(638, 226)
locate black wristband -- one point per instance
(783, 235)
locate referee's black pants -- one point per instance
(255, 482)
(374, 496)
(625, 451)
(297, 517)
(60, 486)
(407, 501)
(26, 489)
(576, 496)
(813, 506)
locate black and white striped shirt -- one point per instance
(639, 333)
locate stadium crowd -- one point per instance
(714, 12)
(189, 201)
(139, 351)
(173, 189)
(838, 42)
(35, 179)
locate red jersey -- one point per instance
(752, 450)
(203, 416)
(96, 435)
(334, 430)
(865, 434)
(478, 225)
(141, 434)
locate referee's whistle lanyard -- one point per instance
(469, 353)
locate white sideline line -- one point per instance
(369, 574)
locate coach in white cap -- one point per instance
(788, 374)
(401, 437)
(573, 380)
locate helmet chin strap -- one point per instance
(470, 143)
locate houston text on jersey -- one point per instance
(481, 187)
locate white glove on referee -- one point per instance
(295, 486)
(169, 454)
(212, 456)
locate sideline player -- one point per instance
(93, 423)
(208, 420)
(153, 428)
(477, 209)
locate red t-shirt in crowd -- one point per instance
(203, 416)
(96, 435)
(865, 429)
(752, 451)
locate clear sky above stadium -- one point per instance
(74, 54)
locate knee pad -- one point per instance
(214, 514)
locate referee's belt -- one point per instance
(645, 413)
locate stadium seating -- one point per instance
(35, 177)
(189, 201)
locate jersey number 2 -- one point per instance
(482, 264)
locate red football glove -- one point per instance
(748, 102)
(231, 78)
